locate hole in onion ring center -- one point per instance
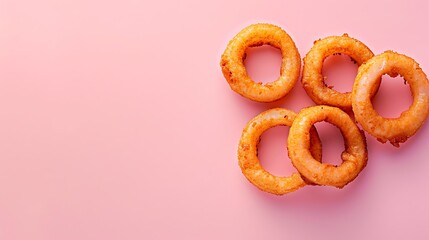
(272, 152)
(332, 143)
(263, 63)
(339, 72)
(393, 97)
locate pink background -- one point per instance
(116, 123)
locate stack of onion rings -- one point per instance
(304, 146)
(232, 62)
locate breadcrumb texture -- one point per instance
(248, 152)
(234, 71)
(354, 157)
(394, 130)
(312, 78)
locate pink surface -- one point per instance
(116, 123)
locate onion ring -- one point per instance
(394, 130)
(354, 157)
(313, 80)
(234, 71)
(248, 152)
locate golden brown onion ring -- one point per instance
(394, 130)
(248, 152)
(232, 62)
(313, 80)
(354, 157)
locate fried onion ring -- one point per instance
(248, 152)
(313, 80)
(354, 157)
(394, 130)
(234, 71)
